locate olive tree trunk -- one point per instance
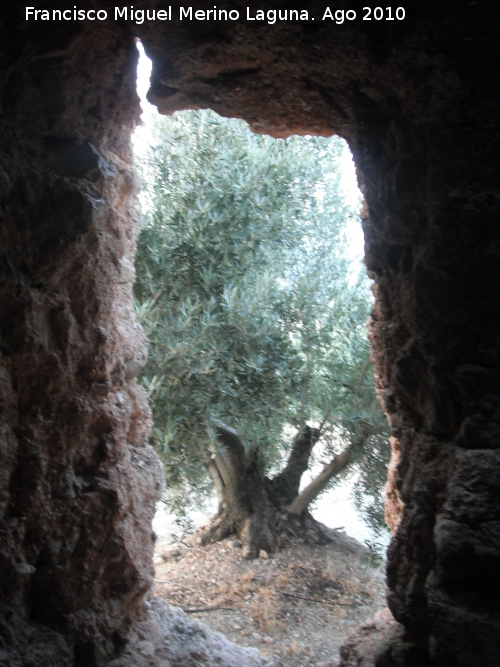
(246, 510)
(256, 509)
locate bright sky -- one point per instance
(142, 134)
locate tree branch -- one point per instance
(287, 483)
(366, 366)
(197, 610)
(302, 597)
(220, 462)
(218, 482)
(322, 424)
(302, 501)
(229, 437)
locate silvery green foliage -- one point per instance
(254, 315)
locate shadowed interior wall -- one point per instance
(416, 102)
(78, 482)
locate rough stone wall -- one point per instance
(78, 482)
(416, 102)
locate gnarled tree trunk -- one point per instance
(246, 510)
(255, 508)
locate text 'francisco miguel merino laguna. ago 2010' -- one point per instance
(192, 14)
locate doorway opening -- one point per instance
(251, 290)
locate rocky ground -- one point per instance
(295, 606)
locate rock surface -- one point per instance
(164, 636)
(360, 648)
(78, 480)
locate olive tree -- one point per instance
(256, 322)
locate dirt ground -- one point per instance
(295, 606)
